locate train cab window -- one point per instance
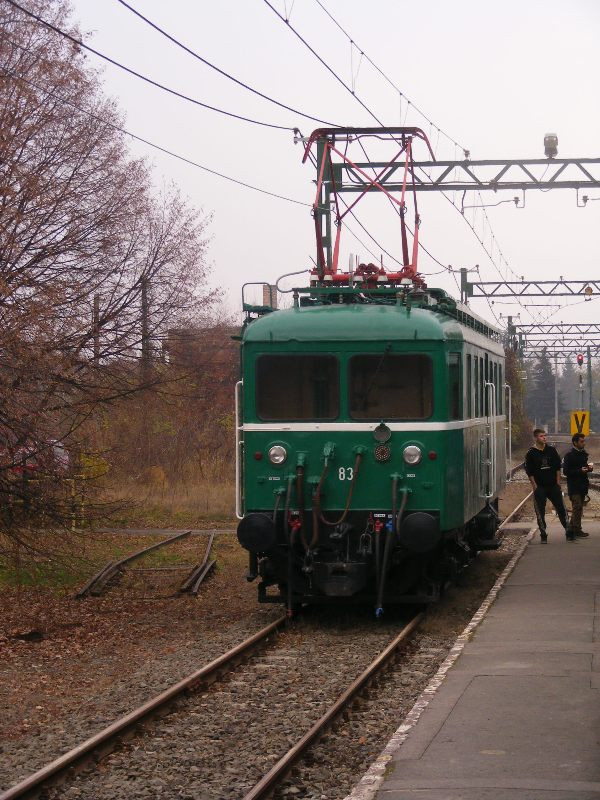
(476, 386)
(293, 387)
(388, 386)
(469, 387)
(454, 388)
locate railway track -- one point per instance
(516, 469)
(106, 740)
(109, 739)
(264, 787)
(248, 698)
(114, 569)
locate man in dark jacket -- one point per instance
(576, 469)
(542, 465)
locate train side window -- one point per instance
(454, 387)
(476, 386)
(293, 387)
(469, 387)
(390, 386)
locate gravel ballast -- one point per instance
(220, 742)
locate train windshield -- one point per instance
(389, 386)
(293, 387)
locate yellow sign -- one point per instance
(580, 422)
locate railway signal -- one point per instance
(580, 359)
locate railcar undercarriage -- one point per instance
(370, 557)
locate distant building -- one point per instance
(208, 355)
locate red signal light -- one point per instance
(580, 359)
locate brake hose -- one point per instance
(289, 537)
(390, 535)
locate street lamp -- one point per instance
(550, 145)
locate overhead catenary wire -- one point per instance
(155, 146)
(182, 96)
(172, 154)
(465, 150)
(145, 78)
(81, 44)
(394, 86)
(221, 71)
(323, 62)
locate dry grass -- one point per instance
(181, 505)
(64, 563)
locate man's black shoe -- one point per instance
(543, 537)
(570, 537)
(581, 534)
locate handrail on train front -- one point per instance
(239, 444)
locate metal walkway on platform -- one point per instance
(517, 716)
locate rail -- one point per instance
(97, 582)
(192, 583)
(276, 774)
(106, 739)
(512, 473)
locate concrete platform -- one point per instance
(518, 714)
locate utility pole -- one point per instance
(555, 394)
(145, 374)
(145, 331)
(589, 377)
(96, 328)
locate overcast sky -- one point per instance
(495, 77)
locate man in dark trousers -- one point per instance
(542, 465)
(576, 469)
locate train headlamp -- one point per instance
(277, 454)
(412, 454)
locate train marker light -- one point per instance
(580, 359)
(432, 455)
(277, 454)
(412, 454)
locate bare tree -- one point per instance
(93, 266)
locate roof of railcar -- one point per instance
(362, 322)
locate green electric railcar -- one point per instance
(371, 444)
